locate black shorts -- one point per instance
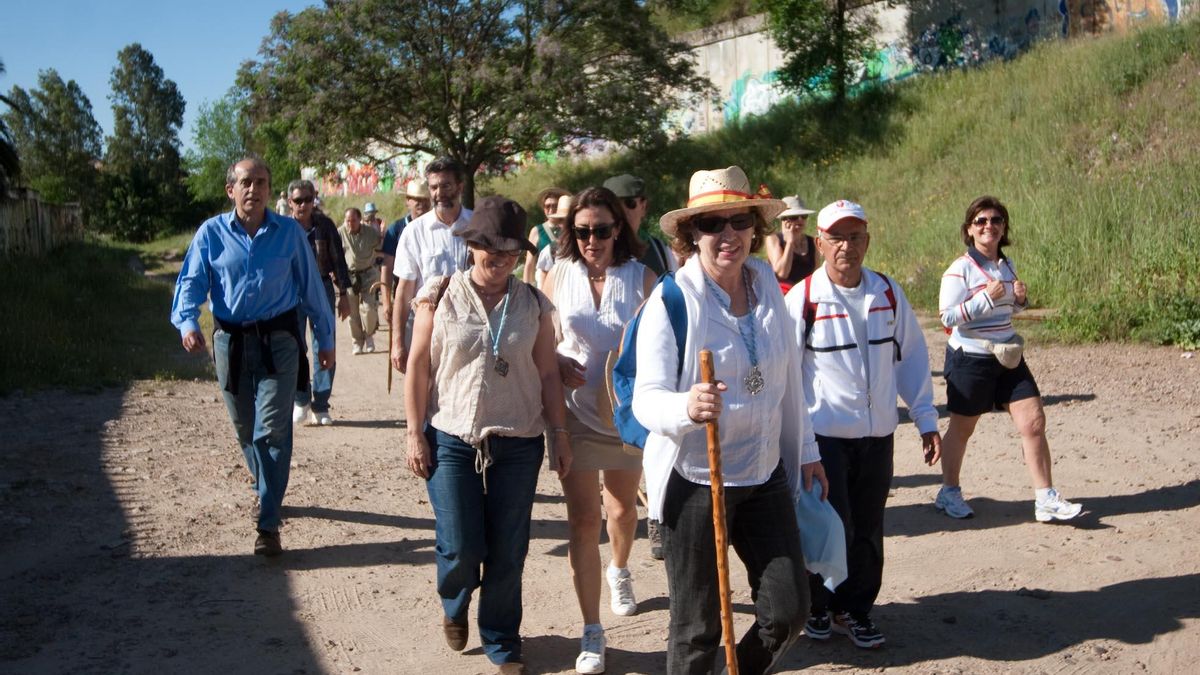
(976, 384)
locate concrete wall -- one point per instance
(921, 36)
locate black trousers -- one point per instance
(860, 473)
(761, 522)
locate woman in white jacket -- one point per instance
(736, 310)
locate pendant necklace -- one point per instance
(501, 365)
(754, 381)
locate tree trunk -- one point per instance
(468, 193)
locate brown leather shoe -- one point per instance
(512, 668)
(267, 544)
(456, 634)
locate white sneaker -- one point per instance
(1054, 507)
(369, 345)
(299, 414)
(320, 419)
(358, 349)
(591, 651)
(950, 502)
(620, 587)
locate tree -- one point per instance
(822, 41)
(143, 176)
(480, 80)
(221, 137)
(10, 163)
(59, 140)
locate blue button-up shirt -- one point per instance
(251, 279)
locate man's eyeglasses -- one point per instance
(838, 241)
(984, 220)
(716, 224)
(600, 232)
(300, 201)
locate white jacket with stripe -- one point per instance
(841, 403)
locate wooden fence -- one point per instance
(30, 227)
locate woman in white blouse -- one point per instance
(736, 310)
(596, 286)
(482, 389)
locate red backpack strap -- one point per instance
(890, 294)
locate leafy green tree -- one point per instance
(143, 179)
(59, 140)
(10, 163)
(822, 40)
(221, 137)
(481, 81)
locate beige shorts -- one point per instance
(594, 451)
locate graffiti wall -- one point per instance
(365, 178)
(921, 36)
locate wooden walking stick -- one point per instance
(719, 533)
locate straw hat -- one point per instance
(722, 189)
(417, 188)
(563, 209)
(795, 207)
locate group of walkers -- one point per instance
(506, 370)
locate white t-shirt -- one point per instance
(428, 248)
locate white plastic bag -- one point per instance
(822, 537)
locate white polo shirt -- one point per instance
(428, 248)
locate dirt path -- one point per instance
(125, 537)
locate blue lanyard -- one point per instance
(499, 334)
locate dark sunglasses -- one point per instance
(302, 200)
(716, 224)
(630, 202)
(995, 220)
(599, 232)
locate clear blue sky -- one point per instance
(199, 45)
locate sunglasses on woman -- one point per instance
(599, 232)
(716, 224)
(300, 201)
(984, 220)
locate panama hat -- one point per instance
(795, 207)
(563, 209)
(722, 189)
(417, 189)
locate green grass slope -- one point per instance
(1093, 144)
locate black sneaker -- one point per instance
(818, 626)
(654, 532)
(267, 544)
(861, 631)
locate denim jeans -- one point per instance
(761, 524)
(320, 386)
(860, 474)
(482, 538)
(261, 413)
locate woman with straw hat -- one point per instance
(482, 388)
(736, 310)
(791, 252)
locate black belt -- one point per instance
(289, 321)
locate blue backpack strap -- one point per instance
(677, 313)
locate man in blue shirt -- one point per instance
(258, 269)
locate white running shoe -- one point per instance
(320, 419)
(620, 587)
(358, 349)
(1054, 507)
(369, 345)
(299, 414)
(950, 502)
(591, 651)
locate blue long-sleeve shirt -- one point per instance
(251, 279)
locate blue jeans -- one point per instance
(320, 386)
(482, 538)
(261, 413)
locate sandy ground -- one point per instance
(126, 534)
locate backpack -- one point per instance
(624, 371)
(810, 309)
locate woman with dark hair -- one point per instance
(597, 285)
(736, 310)
(980, 294)
(482, 389)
